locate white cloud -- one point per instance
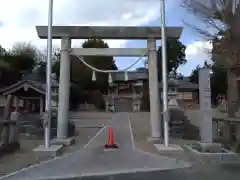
(19, 18)
(196, 53)
(198, 47)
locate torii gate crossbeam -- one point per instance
(66, 33)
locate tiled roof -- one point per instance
(39, 82)
(183, 84)
(33, 80)
(143, 75)
(132, 75)
(39, 86)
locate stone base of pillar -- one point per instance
(210, 146)
(170, 147)
(203, 147)
(43, 153)
(111, 108)
(155, 140)
(136, 107)
(226, 132)
(63, 141)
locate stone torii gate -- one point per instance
(66, 33)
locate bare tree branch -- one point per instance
(221, 16)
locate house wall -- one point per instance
(125, 92)
(188, 99)
(226, 131)
(3, 102)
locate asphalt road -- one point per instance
(94, 162)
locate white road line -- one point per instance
(50, 160)
(90, 126)
(148, 153)
(131, 132)
(94, 137)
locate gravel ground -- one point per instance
(140, 123)
(141, 131)
(91, 115)
(25, 157)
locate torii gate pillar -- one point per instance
(64, 88)
(155, 110)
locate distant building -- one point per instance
(188, 92)
(30, 93)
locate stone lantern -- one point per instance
(177, 119)
(173, 90)
(110, 99)
(137, 96)
(54, 85)
(55, 88)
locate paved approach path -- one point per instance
(122, 134)
(94, 162)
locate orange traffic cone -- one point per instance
(110, 143)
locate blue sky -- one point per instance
(189, 37)
(18, 25)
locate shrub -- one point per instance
(96, 98)
(145, 99)
(76, 96)
(238, 148)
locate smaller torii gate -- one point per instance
(66, 33)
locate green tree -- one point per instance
(193, 78)
(82, 75)
(218, 82)
(4, 66)
(20, 60)
(100, 62)
(194, 75)
(218, 79)
(2, 51)
(27, 49)
(76, 96)
(222, 17)
(42, 65)
(179, 76)
(175, 55)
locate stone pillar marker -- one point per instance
(64, 85)
(155, 117)
(14, 134)
(205, 106)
